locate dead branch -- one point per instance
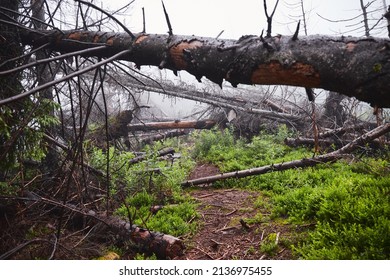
(67, 149)
(109, 15)
(269, 17)
(340, 131)
(65, 78)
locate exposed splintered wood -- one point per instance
(206, 124)
(297, 74)
(329, 157)
(358, 67)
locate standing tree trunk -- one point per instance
(44, 76)
(11, 116)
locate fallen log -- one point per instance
(162, 136)
(306, 162)
(206, 124)
(160, 153)
(164, 246)
(296, 142)
(226, 102)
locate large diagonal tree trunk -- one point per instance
(358, 67)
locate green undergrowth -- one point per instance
(152, 182)
(348, 202)
(339, 210)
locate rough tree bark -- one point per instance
(358, 67)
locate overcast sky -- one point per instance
(236, 18)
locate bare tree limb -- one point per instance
(109, 15)
(269, 17)
(70, 76)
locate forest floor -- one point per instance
(232, 227)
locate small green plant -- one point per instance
(251, 250)
(140, 257)
(257, 219)
(269, 245)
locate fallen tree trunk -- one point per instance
(226, 102)
(335, 155)
(206, 124)
(160, 153)
(296, 142)
(161, 136)
(164, 246)
(356, 67)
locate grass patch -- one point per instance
(347, 202)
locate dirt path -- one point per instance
(232, 227)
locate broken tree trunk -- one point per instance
(361, 141)
(358, 67)
(163, 245)
(206, 124)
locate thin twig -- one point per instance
(170, 32)
(143, 20)
(38, 62)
